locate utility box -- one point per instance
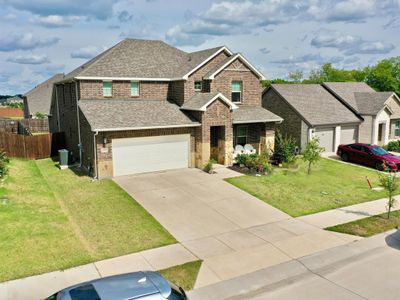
(63, 158)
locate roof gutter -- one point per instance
(258, 121)
(143, 128)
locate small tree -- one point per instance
(3, 164)
(285, 148)
(312, 153)
(389, 183)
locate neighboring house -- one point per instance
(144, 106)
(309, 110)
(379, 110)
(39, 100)
(13, 100)
(335, 113)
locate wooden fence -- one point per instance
(31, 146)
(25, 126)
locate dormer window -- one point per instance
(134, 89)
(107, 88)
(198, 86)
(236, 91)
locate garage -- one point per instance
(326, 138)
(348, 134)
(149, 154)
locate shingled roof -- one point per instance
(200, 101)
(345, 91)
(128, 114)
(315, 104)
(39, 98)
(371, 103)
(135, 58)
(254, 114)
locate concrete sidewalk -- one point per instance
(42, 286)
(347, 214)
(366, 269)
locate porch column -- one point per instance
(337, 137)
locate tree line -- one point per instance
(383, 76)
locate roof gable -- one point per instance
(200, 101)
(227, 62)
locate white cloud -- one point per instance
(350, 44)
(86, 52)
(57, 20)
(24, 41)
(29, 59)
(98, 9)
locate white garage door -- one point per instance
(326, 138)
(348, 134)
(148, 154)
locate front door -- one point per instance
(217, 144)
(381, 129)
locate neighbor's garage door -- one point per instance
(326, 138)
(348, 134)
(148, 154)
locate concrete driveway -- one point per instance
(233, 232)
(192, 204)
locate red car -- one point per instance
(369, 155)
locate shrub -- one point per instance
(393, 146)
(285, 148)
(241, 159)
(251, 161)
(3, 164)
(209, 166)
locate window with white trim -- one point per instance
(135, 88)
(198, 86)
(236, 91)
(241, 135)
(397, 128)
(107, 88)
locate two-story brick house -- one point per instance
(143, 106)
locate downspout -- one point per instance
(58, 111)
(79, 125)
(95, 154)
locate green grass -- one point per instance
(57, 219)
(369, 226)
(183, 275)
(330, 185)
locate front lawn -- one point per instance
(184, 275)
(369, 226)
(331, 185)
(54, 219)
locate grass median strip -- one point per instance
(183, 275)
(54, 220)
(330, 185)
(369, 226)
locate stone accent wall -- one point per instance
(66, 95)
(236, 71)
(104, 154)
(291, 124)
(154, 90)
(217, 114)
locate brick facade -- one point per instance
(153, 90)
(236, 71)
(292, 124)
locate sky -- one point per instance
(39, 38)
